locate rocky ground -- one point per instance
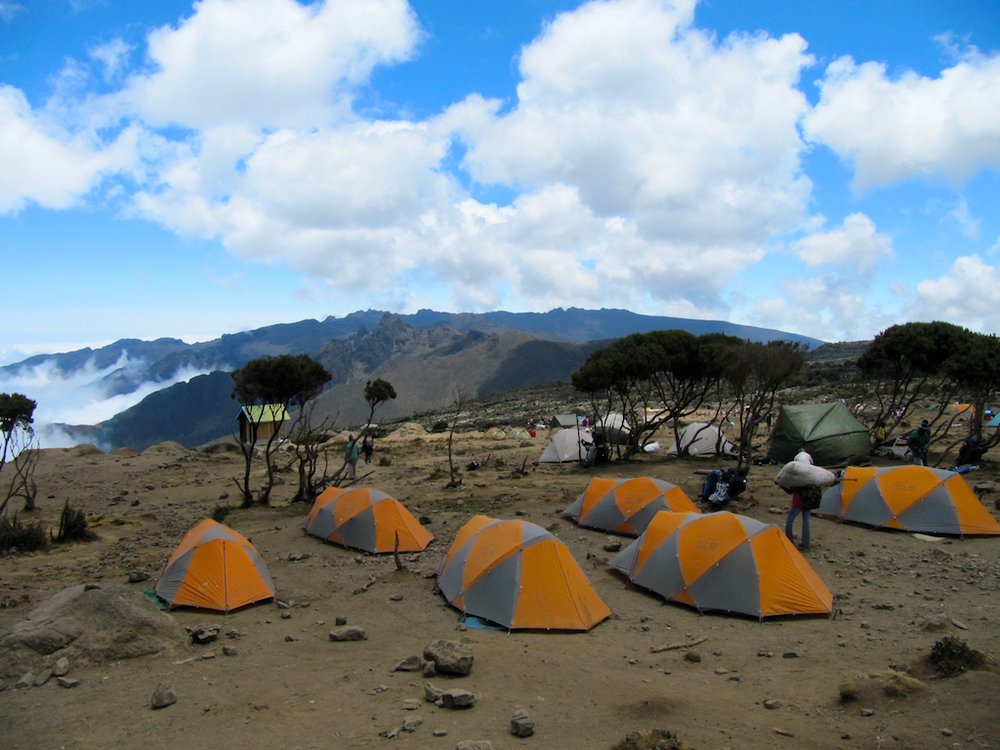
(270, 676)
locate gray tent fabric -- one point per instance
(828, 432)
(703, 439)
(567, 445)
(908, 498)
(615, 427)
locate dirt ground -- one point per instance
(757, 685)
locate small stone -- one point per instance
(428, 669)
(204, 633)
(692, 656)
(450, 657)
(458, 698)
(292, 639)
(431, 693)
(521, 724)
(163, 696)
(790, 655)
(440, 732)
(783, 732)
(867, 712)
(612, 544)
(26, 680)
(340, 621)
(397, 597)
(229, 651)
(67, 682)
(721, 670)
(61, 667)
(348, 633)
(409, 664)
(411, 723)
(286, 615)
(42, 677)
(946, 732)
(410, 704)
(138, 576)
(474, 745)
(772, 703)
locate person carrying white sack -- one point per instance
(803, 480)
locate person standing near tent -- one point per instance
(919, 442)
(351, 454)
(368, 446)
(805, 499)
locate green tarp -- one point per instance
(829, 432)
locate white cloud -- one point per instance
(964, 295)
(268, 63)
(112, 57)
(649, 117)
(856, 245)
(913, 126)
(962, 217)
(81, 396)
(8, 10)
(44, 164)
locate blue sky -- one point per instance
(190, 169)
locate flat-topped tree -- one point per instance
(270, 387)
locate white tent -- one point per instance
(567, 445)
(616, 429)
(703, 439)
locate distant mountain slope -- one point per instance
(428, 356)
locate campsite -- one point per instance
(270, 674)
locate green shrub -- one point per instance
(18, 537)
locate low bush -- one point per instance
(73, 526)
(18, 537)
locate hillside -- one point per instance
(430, 358)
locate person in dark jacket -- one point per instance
(919, 442)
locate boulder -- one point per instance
(449, 657)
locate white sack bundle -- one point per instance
(800, 474)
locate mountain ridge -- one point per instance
(432, 358)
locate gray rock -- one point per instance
(409, 664)
(521, 724)
(163, 696)
(449, 657)
(26, 680)
(410, 704)
(42, 677)
(411, 723)
(61, 667)
(612, 544)
(138, 576)
(772, 703)
(431, 693)
(204, 633)
(428, 669)
(229, 651)
(348, 633)
(340, 621)
(692, 656)
(67, 682)
(474, 745)
(458, 698)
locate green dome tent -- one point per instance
(829, 432)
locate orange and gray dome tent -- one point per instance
(908, 498)
(626, 506)
(367, 519)
(724, 562)
(214, 567)
(518, 575)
